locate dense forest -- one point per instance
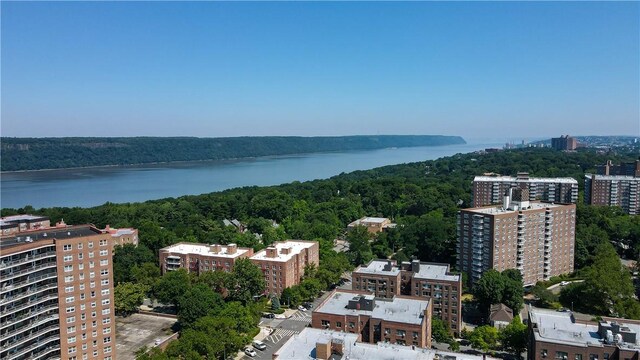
(56, 153)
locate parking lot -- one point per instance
(137, 330)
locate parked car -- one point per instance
(301, 308)
(259, 345)
(250, 352)
(308, 305)
(564, 283)
(269, 315)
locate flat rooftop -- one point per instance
(560, 180)
(203, 249)
(13, 219)
(303, 346)
(67, 232)
(295, 246)
(497, 209)
(433, 271)
(403, 310)
(377, 267)
(613, 177)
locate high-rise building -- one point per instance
(534, 237)
(564, 142)
(283, 263)
(201, 257)
(434, 281)
(613, 190)
(56, 294)
(627, 169)
(489, 188)
(400, 320)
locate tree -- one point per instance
(440, 331)
(172, 286)
(128, 256)
(218, 281)
(544, 297)
(275, 303)
(359, 248)
(512, 294)
(128, 297)
(147, 274)
(489, 289)
(247, 280)
(484, 338)
(514, 336)
(197, 302)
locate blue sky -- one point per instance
(513, 69)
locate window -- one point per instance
(83, 316)
(80, 266)
(93, 304)
(352, 324)
(81, 286)
(593, 356)
(71, 309)
(415, 335)
(72, 349)
(93, 314)
(80, 256)
(68, 289)
(326, 323)
(91, 264)
(401, 333)
(578, 357)
(70, 299)
(104, 272)
(82, 307)
(66, 247)
(107, 349)
(81, 276)
(105, 301)
(82, 296)
(93, 294)
(94, 323)
(106, 340)
(68, 278)
(106, 330)
(83, 327)
(104, 282)
(103, 242)
(68, 268)
(84, 337)
(71, 339)
(84, 346)
(104, 292)
(339, 324)
(543, 352)
(90, 244)
(104, 252)
(106, 321)
(92, 274)
(71, 319)
(80, 246)
(90, 254)
(561, 355)
(104, 262)
(68, 258)
(106, 311)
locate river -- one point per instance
(94, 186)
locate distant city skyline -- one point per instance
(219, 69)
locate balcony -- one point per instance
(29, 304)
(54, 337)
(32, 269)
(41, 320)
(28, 281)
(30, 336)
(22, 295)
(27, 259)
(10, 321)
(45, 353)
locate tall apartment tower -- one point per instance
(627, 169)
(534, 237)
(56, 294)
(613, 190)
(564, 142)
(489, 188)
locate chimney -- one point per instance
(337, 346)
(506, 201)
(388, 266)
(61, 223)
(415, 266)
(215, 248)
(323, 349)
(107, 228)
(232, 249)
(285, 250)
(272, 252)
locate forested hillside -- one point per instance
(55, 153)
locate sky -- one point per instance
(209, 69)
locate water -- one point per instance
(95, 186)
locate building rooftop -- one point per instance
(379, 267)
(491, 178)
(294, 247)
(398, 309)
(203, 249)
(433, 271)
(66, 232)
(562, 328)
(6, 220)
(612, 177)
(498, 209)
(303, 346)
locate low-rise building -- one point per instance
(558, 335)
(385, 279)
(14, 224)
(373, 224)
(400, 320)
(283, 263)
(122, 236)
(201, 257)
(321, 344)
(500, 315)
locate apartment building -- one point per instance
(323, 344)
(400, 320)
(56, 294)
(559, 336)
(122, 236)
(283, 263)
(536, 238)
(613, 190)
(490, 188)
(626, 169)
(385, 279)
(197, 258)
(373, 224)
(14, 224)
(564, 142)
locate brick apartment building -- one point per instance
(283, 263)
(534, 237)
(201, 257)
(373, 224)
(559, 336)
(122, 236)
(385, 279)
(490, 188)
(564, 142)
(400, 320)
(56, 294)
(614, 185)
(10, 225)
